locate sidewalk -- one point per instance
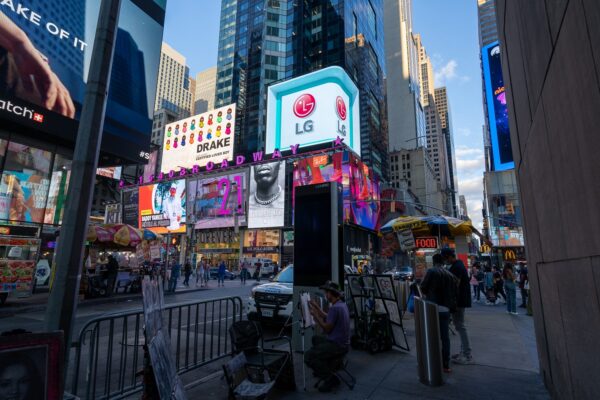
(505, 367)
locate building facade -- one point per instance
(265, 42)
(406, 117)
(173, 88)
(550, 53)
(205, 86)
(443, 109)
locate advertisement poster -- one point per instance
(267, 195)
(150, 168)
(25, 195)
(497, 109)
(57, 196)
(215, 201)
(313, 109)
(43, 79)
(17, 263)
(130, 213)
(200, 139)
(162, 207)
(364, 195)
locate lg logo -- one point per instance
(306, 104)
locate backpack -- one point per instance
(451, 283)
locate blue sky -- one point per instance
(449, 32)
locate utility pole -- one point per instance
(62, 304)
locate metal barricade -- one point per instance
(109, 352)
(429, 347)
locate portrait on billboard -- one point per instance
(217, 201)
(162, 207)
(267, 195)
(45, 56)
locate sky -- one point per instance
(449, 32)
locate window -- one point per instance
(372, 19)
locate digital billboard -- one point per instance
(130, 204)
(360, 188)
(267, 195)
(215, 201)
(497, 109)
(200, 139)
(313, 109)
(45, 54)
(162, 207)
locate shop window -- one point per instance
(25, 183)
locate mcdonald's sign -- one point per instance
(510, 255)
(485, 248)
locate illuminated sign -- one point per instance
(426, 243)
(485, 248)
(497, 108)
(510, 255)
(199, 140)
(313, 109)
(162, 207)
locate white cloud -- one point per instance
(446, 73)
(466, 132)
(473, 164)
(464, 151)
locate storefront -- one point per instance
(216, 245)
(262, 244)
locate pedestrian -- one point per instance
(511, 288)
(187, 271)
(490, 292)
(464, 301)
(206, 273)
(175, 272)
(199, 272)
(474, 283)
(436, 288)
(499, 285)
(275, 268)
(480, 281)
(257, 271)
(221, 274)
(244, 272)
(112, 272)
(523, 283)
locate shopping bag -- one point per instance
(411, 303)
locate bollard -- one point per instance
(429, 346)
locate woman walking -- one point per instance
(511, 288)
(474, 283)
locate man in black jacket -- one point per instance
(464, 301)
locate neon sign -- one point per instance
(426, 243)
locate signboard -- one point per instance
(406, 240)
(216, 202)
(497, 109)
(427, 242)
(313, 109)
(162, 207)
(112, 172)
(199, 140)
(261, 241)
(130, 204)
(267, 195)
(43, 80)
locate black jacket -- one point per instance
(464, 290)
(435, 285)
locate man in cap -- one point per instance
(172, 208)
(336, 325)
(457, 267)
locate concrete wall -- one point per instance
(551, 63)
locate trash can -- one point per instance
(429, 346)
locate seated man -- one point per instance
(336, 324)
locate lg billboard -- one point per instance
(497, 109)
(45, 55)
(313, 109)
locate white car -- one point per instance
(274, 298)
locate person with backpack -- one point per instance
(458, 269)
(441, 287)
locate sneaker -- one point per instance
(329, 384)
(456, 356)
(463, 360)
(515, 313)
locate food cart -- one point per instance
(19, 252)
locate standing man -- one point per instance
(275, 268)
(436, 288)
(175, 272)
(112, 271)
(326, 349)
(244, 272)
(221, 273)
(523, 283)
(187, 270)
(457, 267)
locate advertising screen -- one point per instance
(360, 188)
(215, 201)
(200, 139)
(313, 109)
(267, 195)
(45, 54)
(497, 109)
(162, 207)
(150, 168)
(130, 211)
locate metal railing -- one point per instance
(109, 352)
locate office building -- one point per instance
(204, 93)
(488, 29)
(406, 117)
(265, 42)
(463, 212)
(173, 88)
(443, 110)
(549, 59)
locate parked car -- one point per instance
(401, 273)
(214, 274)
(275, 297)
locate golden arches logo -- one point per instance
(510, 255)
(485, 248)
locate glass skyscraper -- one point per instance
(262, 42)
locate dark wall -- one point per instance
(551, 63)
